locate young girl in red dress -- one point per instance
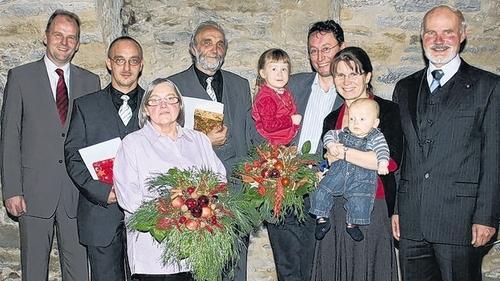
(274, 109)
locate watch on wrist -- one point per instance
(345, 152)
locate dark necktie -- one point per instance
(437, 75)
(61, 96)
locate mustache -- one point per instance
(440, 47)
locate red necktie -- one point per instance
(61, 96)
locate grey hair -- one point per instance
(202, 26)
(457, 12)
(143, 116)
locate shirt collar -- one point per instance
(318, 86)
(448, 69)
(51, 67)
(153, 135)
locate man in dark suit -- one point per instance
(205, 80)
(98, 117)
(36, 188)
(447, 202)
(293, 242)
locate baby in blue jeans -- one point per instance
(356, 184)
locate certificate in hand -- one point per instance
(202, 115)
(99, 153)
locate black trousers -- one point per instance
(293, 248)
(184, 276)
(425, 261)
(109, 263)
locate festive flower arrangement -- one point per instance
(277, 178)
(196, 219)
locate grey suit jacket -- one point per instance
(450, 179)
(300, 86)
(237, 105)
(31, 145)
(95, 119)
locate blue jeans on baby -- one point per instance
(356, 184)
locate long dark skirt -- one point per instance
(339, 258)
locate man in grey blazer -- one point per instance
(96, 118)
(315, 95)
(36, 188)
(448, 196)
(205, 80)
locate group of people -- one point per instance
(441, 132)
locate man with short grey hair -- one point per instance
(447, 201)
(206, 80)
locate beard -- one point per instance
(202, 60)
(441, 60)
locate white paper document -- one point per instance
(190, 104)
(98, 152)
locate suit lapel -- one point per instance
(414, 94)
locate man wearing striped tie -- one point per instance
(35, 185)
(98, 117)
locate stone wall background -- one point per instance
(387, 29)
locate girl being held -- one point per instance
(274, 109)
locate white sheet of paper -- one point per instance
(190, 104)
(98, 152)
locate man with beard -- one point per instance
(36, 188)
(447, 202)
(293, 241)
(205, 80)
(99, 117)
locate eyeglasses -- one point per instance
(324, 51)
(121, 61)
(350, 76)
(168, 100)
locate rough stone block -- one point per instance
(417, 5)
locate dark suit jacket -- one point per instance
(300, 86)
(454, 183)
(237, 105)
(95, 119)
(390, 126)
(32, 155)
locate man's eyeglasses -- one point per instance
(324, 51)
(168, 100)
(350, 76)
(121, 61)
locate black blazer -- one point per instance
(95, 119)
(450, 180)
(390, 126)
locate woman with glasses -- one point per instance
(338, 257)
(159, 145)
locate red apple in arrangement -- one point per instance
(191, 189)
(177, 202)
(206, 212)
(264, 173)
(196, 211)
(275, 173)
(278, 165)
(203, 201)
(191, 203)
(285, 181)
(192, 224)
